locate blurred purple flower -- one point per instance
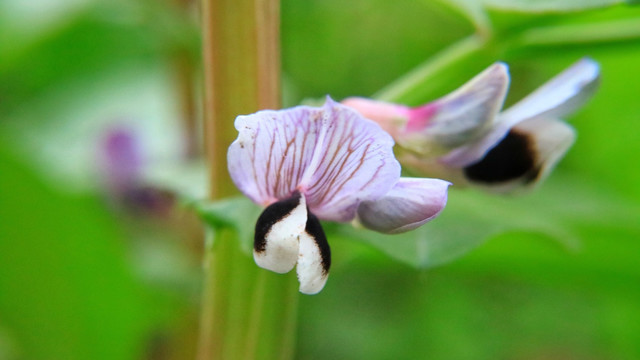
(121, 159)
(465, 138)
(121, 162)
(328, 163)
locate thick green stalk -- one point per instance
(213, 319)
(247, 312)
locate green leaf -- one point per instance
(67, 290)
(471, 217)
(238, 213)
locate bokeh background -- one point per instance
(96, 263)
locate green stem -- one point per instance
(239, 290)
(274, 317)
(619, 30)
(213, 315)
(290, 321)
(184, 68)
(247, 312)
(256, 323)
(475, 12)
(449, 57)
(251, 313)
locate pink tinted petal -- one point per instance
(272, 151)
(420, 117)
(391, 117)
(353, 161)
(411, 203)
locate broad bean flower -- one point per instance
(465, 138)
(330, 163)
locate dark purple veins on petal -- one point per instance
(314, 229)
(270, 216)
(514, 157)
(352, 149)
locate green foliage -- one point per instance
(558, 212)
(238, 214)
(66, 290)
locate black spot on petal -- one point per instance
(514, 157)
(314, 229)
(271, 215)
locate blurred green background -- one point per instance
(88, 271)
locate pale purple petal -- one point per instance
(474, 151)
(559, 96)
(461, 116)
(411, 203)
(353, 161)
(333, 155)
(272, 151)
